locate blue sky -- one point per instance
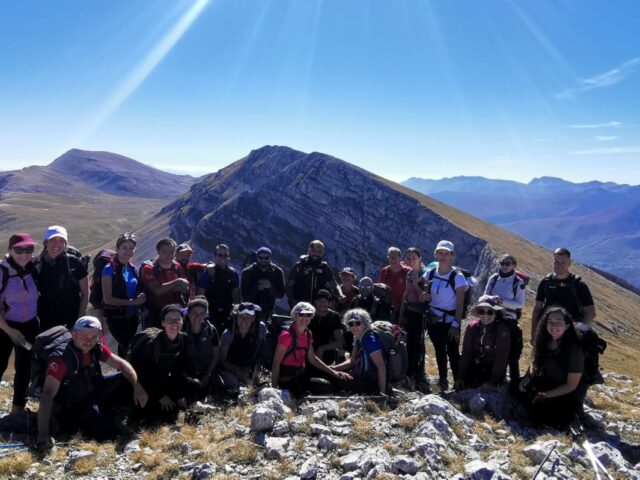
(503, 89)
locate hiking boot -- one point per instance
(444, 384)
(422, 385)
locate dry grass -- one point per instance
(410, 422)
(362, 430)
(282, 470)
(372, 407)
(104, 455)
(16, 464)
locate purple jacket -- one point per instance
(19, 299)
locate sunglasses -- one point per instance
(305, 315)
(506, 264)
(173, 321)
(261, 257)
(486, 311)
(222, 255)
(19, 250)
(354, 323)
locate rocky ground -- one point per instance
(452, 435)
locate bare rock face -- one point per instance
(283, 198)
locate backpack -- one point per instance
(592, 346)
(52, 342)
(275, 326)
(144, 344)
(101, 260)
(519, 275)
(69, 252)
(394, 346)
(451, 281)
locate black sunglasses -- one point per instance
(354, 323)
(305, 315)
(264, 257)
(222, 255)
(486, 311)
(20, 250)
(506, 264)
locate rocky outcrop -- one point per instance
(283, 198)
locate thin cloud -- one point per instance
(613, 124)
(609, 151)
(606, 79)
(606, 138)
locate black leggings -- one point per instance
(22, 358)
(439, 335)
(415, 344)
(122, 329)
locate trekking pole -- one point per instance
(17, 450)
(544, 461)
(578, 433)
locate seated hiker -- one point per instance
(294, 350)
(76, 392)
(239, 346)
(552, 382)
(121, 293)
(158, 357)
(486, 347)
(326, 328)
(18, 313)
(366, 364)
(200, 347)
(348, 288)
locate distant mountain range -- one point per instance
(81, 172)
(599, 222)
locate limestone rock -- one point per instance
(262, 419)
(275, 447)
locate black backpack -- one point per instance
(394, 346)
(52, 342)
(69, 252)
(451, 281)
(100, 261)
(144, 344)
(592, 346)
(276, 325)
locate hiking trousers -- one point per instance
(122, 330)
(444, 347)
(22, 359)
(415, 344)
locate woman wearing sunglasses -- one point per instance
(294, 349)
(18, 313)
(551, 383)
(366, 364)
(486, 347)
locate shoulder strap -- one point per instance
(492, 283)
(452, 279)
(514, 285)
(573, 279)
(5, 278)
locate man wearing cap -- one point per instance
(190, 270)
(310, 274)
(348, 288)
(63, 282)
(395, 276)
(18, 313)
(326, 329)
(445, 310)
(367, 300)
(220, 284)
(263, 282)
(81, 395)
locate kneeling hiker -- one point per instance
(239, 346)
(75, 387)
(486, 347)
(366, 363)
(158, 357)
(201, 348)
(294, 350)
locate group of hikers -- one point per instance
(186, 331)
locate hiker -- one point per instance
(348, 289)
(239, 347)
(553, 379)
(367, 300)
(310, 274)
(564, 288)
(121, 293)
(412, 319)
(263, 282)
(201, 346)
(446, 306)
(395, 276)
(508, 288)
(190, 270)
(326, 329)
(163, 281)
(18, 313)
(158, 357)
(486, 347)
(366, 364)
(220, 284)
(76, 392)
(63, 282)
(294, 349)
